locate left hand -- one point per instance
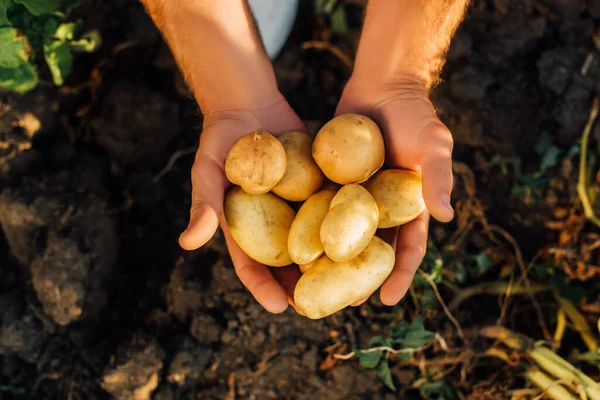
(415, 139)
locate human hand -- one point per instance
(271, 287)
(415, 139)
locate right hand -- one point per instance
(271, 287)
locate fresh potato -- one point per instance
(306, 267)
(256, 162)
(304, 242)
(302, 177)
(260, 225)
(349, 149)
(350, 223)
(399, 196)
(329, 286)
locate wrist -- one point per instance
(371, 92)
(219, 52)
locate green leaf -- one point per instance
(14, 48)
(324, 6)
(376, 341)
(59, 59)
(543, 144)
(416, 335)
(88, 42)
(386, 375)
(550, 158)
(4, 7)
(338, 20)
(50, 26)
(20, 79)
(483, 262)
(39, 7)
(592, 357)
(68, 30)
(368, 360)
(429, 299)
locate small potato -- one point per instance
(399, 196)
(350, 223)
(349, 149)
(302, 177)
(260, 225)
(306, 267)
(330, 286)
(304, 242)
(256, 162)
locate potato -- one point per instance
(256, 162)
(330, 286)
(398, 194)
(302, 178)
(304, 242)
(306, 267)
(350, 223)
(349, 149)
(260, 225)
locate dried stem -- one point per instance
(443, 304)
(582, 181)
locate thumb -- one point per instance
(208, 186)
(436, 170)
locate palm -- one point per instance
(272, 287)
(415, 139)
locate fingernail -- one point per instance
(446, 202)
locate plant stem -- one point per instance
(582, 181)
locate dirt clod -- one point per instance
(134, 371)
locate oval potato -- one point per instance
(350, 223)
(304, 242)
(256, 162)
(399, 196)
(302, 177)
(260, 225)
(329, 286)
(306, 267)
(349, 149)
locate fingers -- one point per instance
(208, 185)
(410, 250)
(256, 277)
(436, 170)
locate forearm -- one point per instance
(407, 38)
(218, 50)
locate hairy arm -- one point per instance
(218, 49)
(407, 38)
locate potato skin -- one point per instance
(256, 162)
(398, 194)
(304, 242)
(330, 286)
(349, 149)
(305, 267)
(260, 225)
(350, 223)
(302, 177)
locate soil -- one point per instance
(98, 301)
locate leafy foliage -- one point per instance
(30, 28)
(402, 337)
(336, 12)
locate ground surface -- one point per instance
(97, 301)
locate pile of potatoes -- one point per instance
(318, 204)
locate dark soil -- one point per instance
(97, 300)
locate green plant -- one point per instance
(403, 341)
(31, 28)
